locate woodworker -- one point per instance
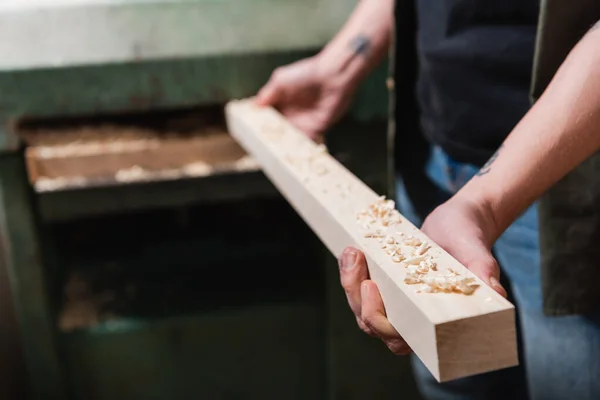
(479, 157)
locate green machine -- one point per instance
(142, 265)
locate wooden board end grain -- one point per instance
(455, 323)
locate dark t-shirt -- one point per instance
(474, 72)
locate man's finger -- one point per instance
(487, 269)
(398, 347)
(373, 312)
(307, 123)
(353, 271)
(365, 328)
(479, 259)
(495, 284)
(270, 94)
(267, 96)
(373, 315)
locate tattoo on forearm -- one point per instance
(488, 165)
(360, 45)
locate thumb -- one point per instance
(353, 271)
(487, 269)
(269, 95)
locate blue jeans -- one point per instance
(560, 356)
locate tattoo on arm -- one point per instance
(360, 45)
(487, 167)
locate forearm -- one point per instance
(560, 132)
(362, 42)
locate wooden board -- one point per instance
(465, 330)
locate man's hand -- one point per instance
(314, 93)
(461, 228)
(308, 95)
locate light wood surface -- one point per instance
(455, 333)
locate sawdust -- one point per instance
(97, 151)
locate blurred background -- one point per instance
(143, 255)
